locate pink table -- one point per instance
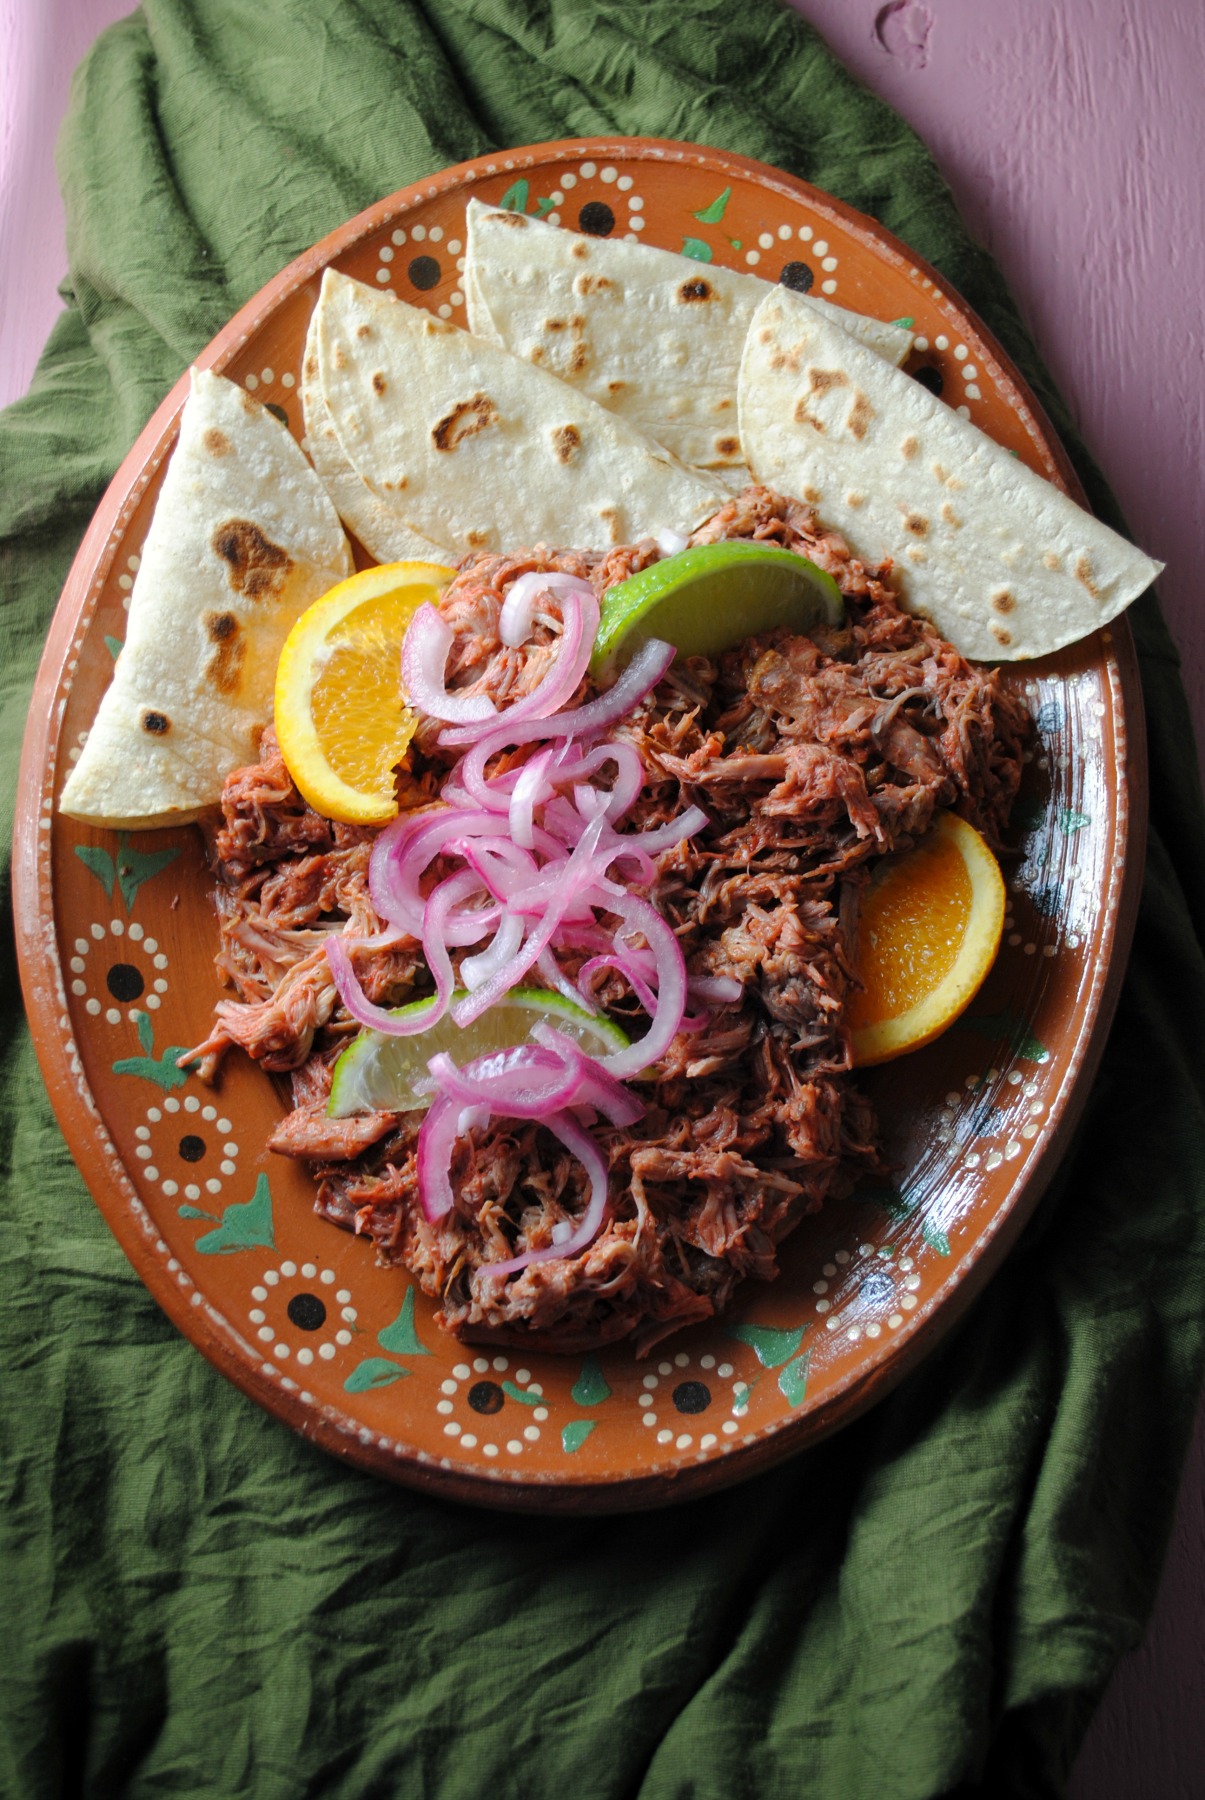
(1070, 135)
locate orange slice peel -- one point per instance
(341, 715)
(928, 931)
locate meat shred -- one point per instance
(813, 757)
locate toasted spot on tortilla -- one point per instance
(340, 357)
(436, 327)
(225, 665)
(255, 566)
(216, 442)
(1051, 560)
(950, 516)
(535, 354)
(855, 500)
(554, 324)
(916, 524)
(915, 554)
(909, 448)
(802, 416)
(580, 248)
(610, 519)
(860, 415)
(364, 331)
(507, 217)
(592, 284)
(395, 487)
(157, 723)
(464, 421)
(784, 359)
(822, 381)
(311, 367)
(728, 446)
(248, 404)
(566, 441)
(476, 540)
(378, 382)
(724, 404)
(578, 359)
(697, 289)
(1084, 575)
(1002, 601)
(1001, 636)
(616, 387)
(811, 495)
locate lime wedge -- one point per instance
(707, 599)
(377, 1073)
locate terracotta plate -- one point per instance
(117, 940)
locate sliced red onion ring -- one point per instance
(530, 790)
(576, 881)
(638, 679)
(514, 621)
(425, 649)
(597, 1088)
(639, 916)
(357, 1003)
(522, 1083)
(579, 1143)
(715, 990)
(475, 971)
(402, 852)
(579, 629)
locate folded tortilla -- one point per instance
(475, 448)
(653, 336)
(1002, 563)
(382, 533)
(242, 540)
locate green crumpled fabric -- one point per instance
(197, 1602)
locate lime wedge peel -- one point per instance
(709, 598)
(378, 1073)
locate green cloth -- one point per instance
(197, 1602)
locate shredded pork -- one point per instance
(813, 757)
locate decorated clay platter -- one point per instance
(117, 938)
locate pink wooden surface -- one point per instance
(1070, 135)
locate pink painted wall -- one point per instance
(1070, 133)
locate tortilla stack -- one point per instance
(653, 336)
(1000, 561)
(386, 537)
(475, 448)
(242, 540)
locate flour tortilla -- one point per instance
(1002, 563)
(242, 540)
(653, 336)
(386, 537)
(477, 449)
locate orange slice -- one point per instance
(928, 932)
(341, 716)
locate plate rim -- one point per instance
(83, 1124)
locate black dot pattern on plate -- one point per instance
(278, 412)
(692, 1396)
(929, 377)
(596, 218)
(877, 1287)
(486, 1397)
(424, 272)
(307, 1312)
(124, 981)
(192, 1148)
(797, 276)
